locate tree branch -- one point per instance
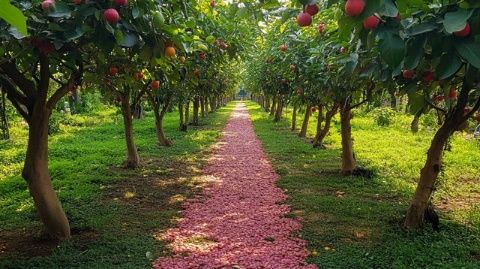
(25, 85)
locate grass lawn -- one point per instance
(115, 214)
(355, 222)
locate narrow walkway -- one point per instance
(239, 222)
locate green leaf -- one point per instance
(449, 64)
(392, 48)
(13, 16)
(135, 12)
(470, 52)
(422, 28)
(61, 10)
(129, 40)
(455, 21)
(389, 9)
(415, 52)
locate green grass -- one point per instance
(362, 229)
(85, 159)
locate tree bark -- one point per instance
(137, 111)
(294, 117)
(183, 126)
(196, 105)
(202, 107)
(416, 120)
(274, 105)
(3, 117)
(306, 118)
(348, 156)
(267, 104)
(428, 175)
(133, 160)
(323, 132)
(35, 172)
(187, 113)
(161, 137)
(278, 112)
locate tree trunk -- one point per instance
(187, 113)
(415, 121)
(196, 105)
(306, 118)
(137, 111)
(181, 113)
(393, 100)
(133, 160)
(294, 117)
(348, 156)
(318, 142)
(3, 118)
(428, 175)
(278, 112)
(161, 137)
(207, 103)
(212, 104)
(274, 105)
(202, 107)
(35, 172)
(318, 132)
(267, 104)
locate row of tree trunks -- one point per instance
(267, 104)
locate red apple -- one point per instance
(343, 50)
(284, 47)
(371, 22)
(311, 9)
(293, 67)
(304, 19)
(47, 4)
(111, 15)
(464, 32)
(408, 74)
(202, 56)
(77, 2)
(466, 111)
(113, 71)
(121, 2)
(212, 3)
(354, 8)
(155, 84)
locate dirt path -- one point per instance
(239, 221)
